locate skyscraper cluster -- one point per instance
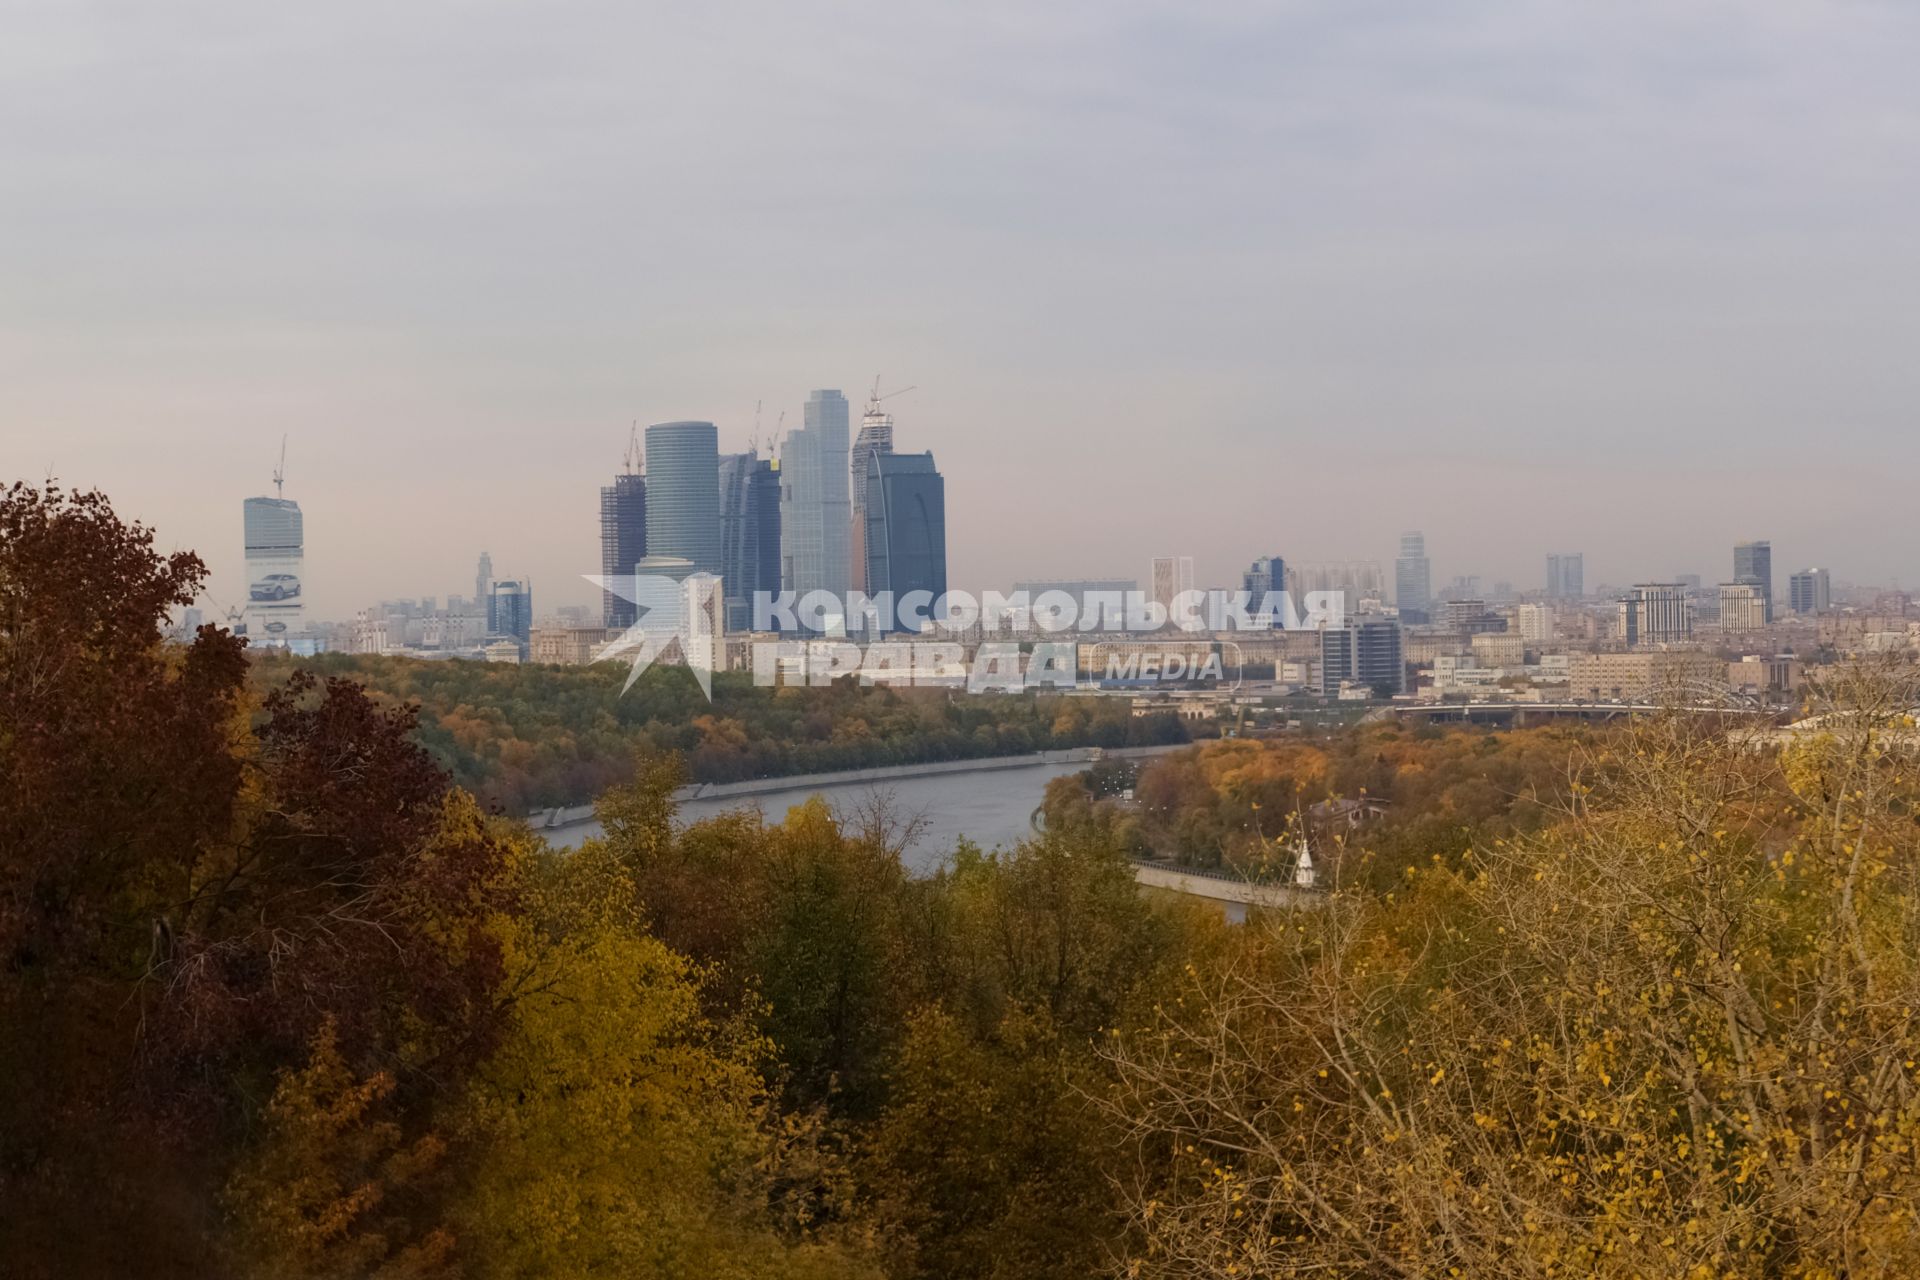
(826, 516)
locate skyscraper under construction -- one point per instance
(623, 534)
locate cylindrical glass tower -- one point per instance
(683, 493)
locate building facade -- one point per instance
(1357, 581)
(683, 493)
(1167, 577)
(275, 545)
(1363, 652)
(566, 645)
(749, 534)
(1743, 606)
(1753, 562)
(1677, 677)
(816, 531)
(623, 542)
(1810, 591)
(906, 533)
(1265, 576)
(510, 613)
(876, 436)
(1566, 576)
(1656, 613)
(1413, 578)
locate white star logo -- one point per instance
(669, 611)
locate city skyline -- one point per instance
(1210, 572)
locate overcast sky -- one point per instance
(1637, 278)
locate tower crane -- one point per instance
(874, 397)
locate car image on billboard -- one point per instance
(276, 586)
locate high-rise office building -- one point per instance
(275, 544)
(906, 516)
(816, 532)
(749, 534)
(1656, 613)
(1167, 577)
(1742, 606)
(1810, 591)
(1356, 581)
(683, 493)
(1264, 576)
(1753, 562)
(1566, 576)
(1268, 573)
(876, 436)
(1366, 652)
(483, 579)
(510, 613)
(1413, 578)
(623, 539)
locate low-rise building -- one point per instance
(1499, 649)
(1646, 676)
(566, 644)
(501, 650)
(1762, 676)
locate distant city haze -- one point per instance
(1635, 280)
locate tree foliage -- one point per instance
(277, 998)
(526, 737)
(1674, 1034)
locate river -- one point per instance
(991, 807)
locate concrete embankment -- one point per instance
(545, 819)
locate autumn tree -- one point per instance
(618, 1129)
(193, 888)
(1674, 1034)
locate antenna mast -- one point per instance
(280, 472)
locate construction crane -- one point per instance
(280, 471)
(874, 397)
(634, 459)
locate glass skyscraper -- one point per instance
(906, 515)
(1413, 578)
(1566, 576)
(1267, 574)
(876, 436)
(683, 493)
(510, 612)
(749, 534)
(1753, 562)
(1810, 591)
(815, 507)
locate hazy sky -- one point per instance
(1634, 278)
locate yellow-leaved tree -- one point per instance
(1677, 1034)
(617, 1130)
